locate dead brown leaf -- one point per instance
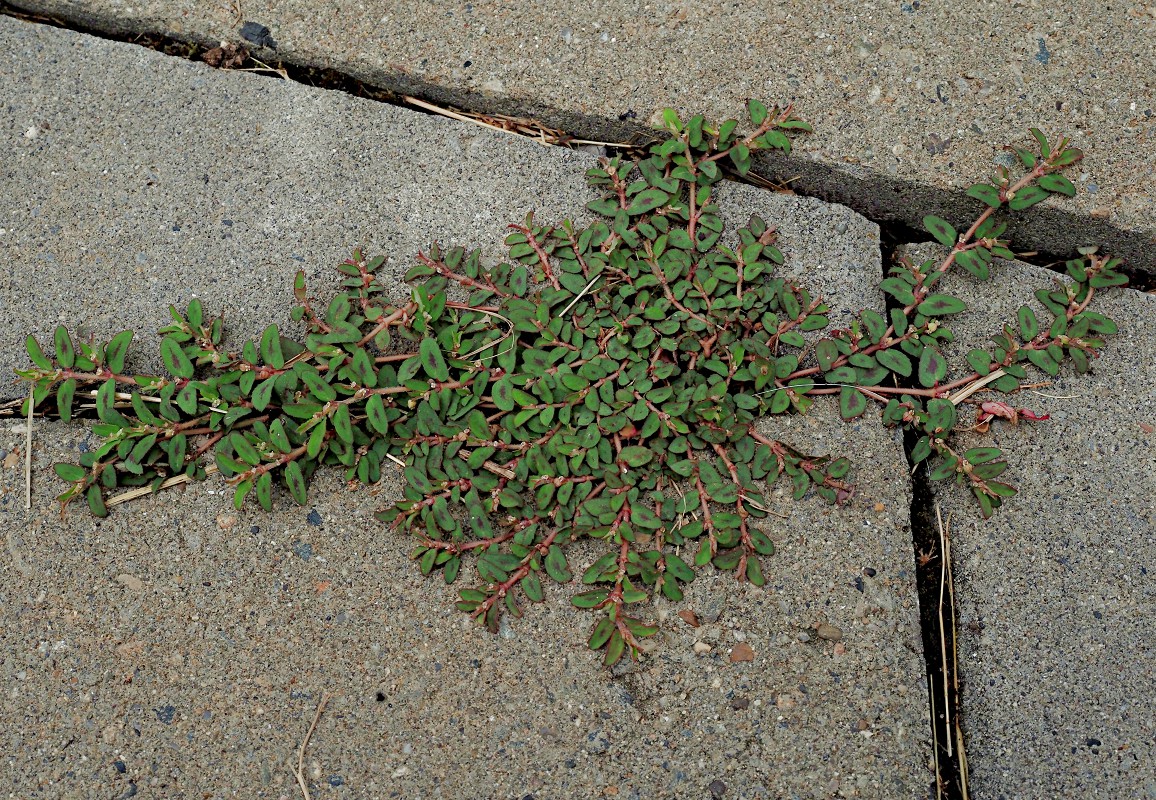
(12, 459)
(689, 617)
(227, 56)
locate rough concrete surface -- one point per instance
(911, 101)
(1056, 595)
(180, 648)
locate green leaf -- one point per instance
(647, 200)
(556, 566)
(932, 367)
(601, 634)
(895, 361)
(875, 324)
(264, 490)
(502, 392)
(981, 455)
(105, 399)
(980, 361)
(115, 351)
(941, 229)
(532, 587)
(589, 599)
(937, 305)
(271, 348)
(614, 649)
(1042, 140)
(757, 111)
(852, 403)
(375, 412)
(64, 397)
(940, 414)
(1027, 197)
(433, 361)
(176, 362)
(187, 399)
(65, 351)
(264, 394)
(295, 481)
(1044, 361)
(342, 424)
(1029, 326)
(971, 261)
(1108, 278)
(36, 354)
(95, 501)
(244, 450)
(635, 456)
(826, 353)
(987, 193)
(69, 472)
(1058, 184)
(899, 289)
(316, 439)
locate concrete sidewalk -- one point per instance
(180, 649)
(1057, 600)
(911, 101)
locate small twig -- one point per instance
(264, 68)
(141, 491)
(300, 771)
(971, 389)
(944, 555)
(28, 452)
(578, 296)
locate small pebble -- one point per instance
(304, 550)
(829, 632)
(803, 636)
(742, 652)
(314, 518)
(717, 789)
(701, 648)
(258, 34)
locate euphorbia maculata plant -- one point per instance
(604, 382)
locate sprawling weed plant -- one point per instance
(602, 383)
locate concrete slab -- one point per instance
(1056, 595)
(911, 102)
(179, 648)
